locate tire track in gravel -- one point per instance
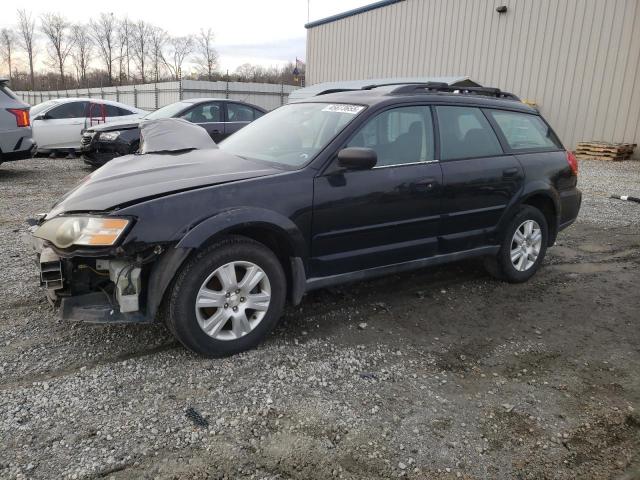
(70, 370)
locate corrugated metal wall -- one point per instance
(579, 60)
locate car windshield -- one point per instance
(168, 111)
(35, 110)
(291, 135)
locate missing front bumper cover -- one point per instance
(97, 308)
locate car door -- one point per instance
(479, 179)
(210, 116)
(61, 126)
(238, 116)
(389, 214)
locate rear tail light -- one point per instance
(22, 116)
(573, 162)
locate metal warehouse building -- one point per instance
(578, 60)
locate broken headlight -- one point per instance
(92, 231)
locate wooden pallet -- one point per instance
(604, 151)
(587, 156)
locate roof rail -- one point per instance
(390, 84)
(336, 90)
(372, 86)
(443, 87)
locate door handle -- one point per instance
(426, 184)
(510, 172)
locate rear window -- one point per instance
(465, 133)
(7, 91)
(111, 111)
(524, 131)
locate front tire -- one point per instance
(523, 247)
(227, 297)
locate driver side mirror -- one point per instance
(357, 158)
(42, 116)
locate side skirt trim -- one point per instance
(322, 282)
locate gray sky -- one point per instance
(267, 32)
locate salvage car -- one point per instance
(336, 188)
(58, 124)
(16, 140)
(219, 117)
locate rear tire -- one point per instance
(523, 247)
(227, 297)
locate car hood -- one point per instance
(115, 125)
(134, 178)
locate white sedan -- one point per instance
(58, 124)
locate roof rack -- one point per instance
(443, 87)
(390, 84)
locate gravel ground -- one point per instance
(438, 374)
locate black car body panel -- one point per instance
(329, 225)
(133, 178)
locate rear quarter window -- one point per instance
(465, 133)
(524, 131)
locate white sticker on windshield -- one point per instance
(343, 108)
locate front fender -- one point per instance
(228, 220)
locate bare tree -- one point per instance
(82, 50)
(246, 72)
(124, 43)
(157, 42)
(7, 41)
(26, 31)
(179, 49)
(103, 32)
(207, 58)
(140, 46)
(56, 29)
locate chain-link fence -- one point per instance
(151, 96)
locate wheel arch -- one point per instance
(540, 195)
(276, 232)
(548, 204)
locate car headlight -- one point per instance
(92, 231)
(109, 136)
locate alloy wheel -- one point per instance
(233, 300)
(525, 245)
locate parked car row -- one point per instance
(219, 117)
(58, 124)
(101, 130)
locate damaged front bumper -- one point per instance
(91, 289)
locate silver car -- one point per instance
(16, 139)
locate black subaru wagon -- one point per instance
(341, 187)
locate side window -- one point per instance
(124, 112)
(204, 113)
(68, 110)
(111, 111)
(239, 113)
(400, 135)
(465, 132)
(257, 113)
(524, 131)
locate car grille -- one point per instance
(85, 141)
